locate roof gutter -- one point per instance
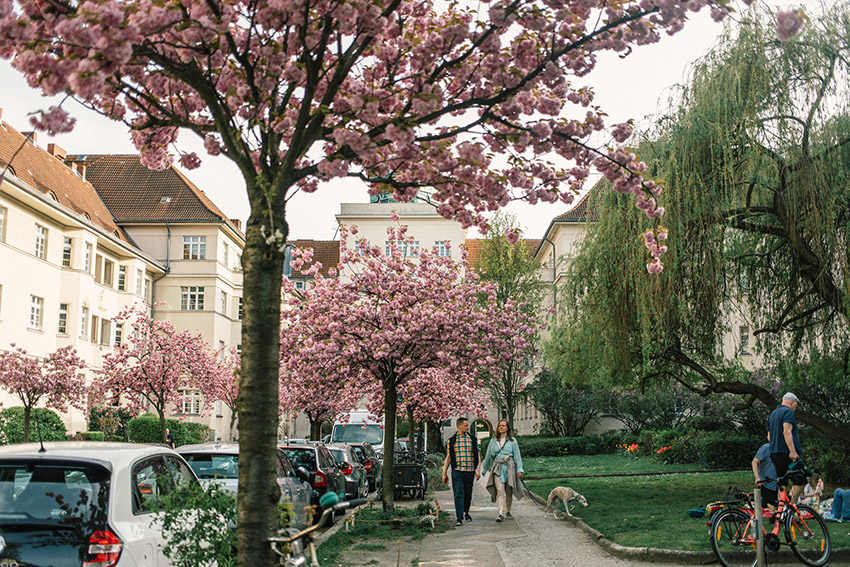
(165, 273)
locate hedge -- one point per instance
(49, 427)
(146, 429)
(537, 446)
(713, 449)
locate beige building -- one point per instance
(96, 234)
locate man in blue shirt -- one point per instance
(763, 468)
(784, 438)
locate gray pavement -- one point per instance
(531, 538)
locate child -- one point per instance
(813, 490)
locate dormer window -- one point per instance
(164, 200)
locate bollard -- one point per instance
(759, 530)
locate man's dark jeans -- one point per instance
(462, 487)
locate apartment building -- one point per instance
(94, 234)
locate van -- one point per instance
(360, 427)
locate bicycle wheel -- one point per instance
(806, 531)
(732, 539)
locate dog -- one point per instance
(565, 494)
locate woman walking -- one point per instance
(505, 465)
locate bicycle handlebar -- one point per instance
(328, 508)
(796, 467)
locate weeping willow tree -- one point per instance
(755, 158)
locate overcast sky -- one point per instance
(635, 87)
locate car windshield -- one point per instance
(53, 492)
(305, 457)
(213, 465)
(357, 433)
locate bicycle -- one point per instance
(301, 543)
(734, 540)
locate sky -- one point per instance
(638, 87)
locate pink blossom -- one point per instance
(788, 24)
(54, 121)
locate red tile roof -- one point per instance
(582, 212)
(49, 175)
(135, 193)
(324, 251)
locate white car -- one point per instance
(219, 462)
(85, 504)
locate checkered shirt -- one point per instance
(464, 455)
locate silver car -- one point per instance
(219, 462)
(356, 479)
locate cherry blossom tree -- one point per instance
(55, 381)
(224, 385)
(153, 366)
(482, 102)
(391, 320)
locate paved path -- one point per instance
(531, 539)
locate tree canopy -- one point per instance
(755, 156)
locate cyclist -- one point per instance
(763, 468)
(785, 447)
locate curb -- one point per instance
(655, 554)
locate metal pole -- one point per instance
(759, 530)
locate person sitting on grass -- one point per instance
(840, 506)
(812, 491)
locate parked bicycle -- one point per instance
(733, 530)
(296, 548)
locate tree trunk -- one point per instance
(411, 430)
(257, 402)
(162, 426)
(27, 415)
(232, 421)
(390, 406)
(435, 437)
(315, 429)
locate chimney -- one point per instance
(80, 168)
(56, 151)
(237, 223)
(32, 135)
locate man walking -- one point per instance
(466, 468)
(785, 445)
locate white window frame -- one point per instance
(442, 249)
(146, 285)
(84, 322)
(87, 258)
(122, 278)
(4, 213)
(190, 401)
(40, 241)
(67, 251)
(240, 309)
(119, 332)
(191, 298)
(194, 247)
(744, 337)
(62, 327)
(222, 303)
(36, 312)
(108, 272)
(139, 276)
(225, 253)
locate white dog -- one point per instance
(565, 494)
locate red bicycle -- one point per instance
(733, 531)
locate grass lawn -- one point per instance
(646, 511)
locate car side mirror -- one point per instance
(303, 474)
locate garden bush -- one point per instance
(193, 433)
(146, 429)
(713, 449)
(537, 446)
(826, 456)
(91, 436)
(49, 427)
(111, 421)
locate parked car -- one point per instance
(85, 503)
(324, 473)
(374, 468)
(219, 462)
(356, 480)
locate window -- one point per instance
(222, 307)
(745, 340)
(443, 248)
(2, 224)
(139, 282)
(67, 250)
(240, 308)
(40, 241)
(98, 268)
(87, 258)
(194, 247)
(36, 312)
(190, 401)
(95, 327)
(225, 253)
(239, 350)
(191, 298)
(84, 322)
(108, 269)
(408, 249)
(219, 408)
(63, 319)
(119, 331)
(122, 278)
(299, 285)
(146, 288)
(105, 331)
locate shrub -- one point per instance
(92, 436)
(146, 429)
(537, 446)
(192, 434)
(48, 428)
(111, 421)
(826, 456)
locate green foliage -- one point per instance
(111, 420)
(147, 429)
(756, 169)
(192, 434)
(567, 410)
(92, 436)
(826, 456)
(49, 426)
(712, 449)
(198, 525)
(538, 446)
